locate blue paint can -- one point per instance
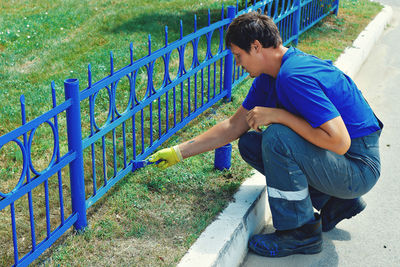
(223, 157)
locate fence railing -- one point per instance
(104, 147)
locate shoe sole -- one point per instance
(349, 214)
(313, 248)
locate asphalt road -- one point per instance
(372, 238)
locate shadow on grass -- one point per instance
(154, 22)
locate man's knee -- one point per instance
(275, 135)
(245, 143)
(280, 139)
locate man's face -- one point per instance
(247, 60)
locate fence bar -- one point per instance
(189, 100)
(195, 91)
(208, 83)
(229, 62)
(174, 101)
(215, 79)
(60, 192)
(336, 10)
(14, 233)
(202, 87)
(142, 128)
(124, 142)
(296, 22)
(46, 197)
(159, 118)
(28, 177)
(134, 136)
(151, 123)
(103, 143)
(74, 131)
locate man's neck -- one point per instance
(273, 59)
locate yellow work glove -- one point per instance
(168, 156)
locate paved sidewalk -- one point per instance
(373, 237)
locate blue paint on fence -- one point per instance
(148, 121)
(75, 144)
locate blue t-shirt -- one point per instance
(315, 90)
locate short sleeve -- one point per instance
(303, 96)
(262, 93)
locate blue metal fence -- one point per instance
(154, 111)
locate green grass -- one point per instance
(151, 217)
(329, 38)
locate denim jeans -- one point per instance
(301, 176)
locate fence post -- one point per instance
(296, 22)
(74, 132)
(336, 7)
(229, 61)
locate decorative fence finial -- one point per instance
(166, 35)
(89, 75)
(131, 52)
(53, 93)
(181, 29)
(111, 63)
(22, 101)
(149, 44)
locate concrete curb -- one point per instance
(224, 242)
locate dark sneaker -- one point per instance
(338, 209)
(303, 240)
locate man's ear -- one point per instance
(257, 45)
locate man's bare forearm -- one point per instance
(219, 135)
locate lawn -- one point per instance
(151, 217)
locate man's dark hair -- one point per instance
(247, 28)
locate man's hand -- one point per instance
(262, 116)
(168, 156)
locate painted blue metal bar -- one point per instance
(14, 232)
(124, 142)
(28, 178)
(103, 142)
(74, 130)
(142, 128)
(59, 174)
(47, 203)
(133, 136)
(336, 7)
(229, 62)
